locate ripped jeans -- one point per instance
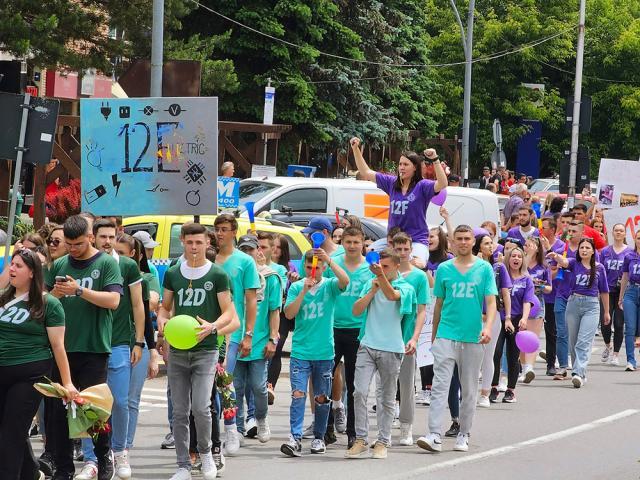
(321, 373)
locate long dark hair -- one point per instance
(136, 246)
(476, 247)
(36, 299)
(440, 255)
(592, 273)
(417, 160)
(285, 255)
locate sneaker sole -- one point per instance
(318, 452)
(363, 454)
(167, 447)
(576, 382)
(290, 452)
(405, 443)
(428, 447)
(460, 449)
(510, 401)
(379, 457)
(529, 376)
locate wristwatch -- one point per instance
(139, 344)
(214, 332)
(79, 291)
(274, 340)
(248, 333)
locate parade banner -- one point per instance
(149, 156)
(618, 193)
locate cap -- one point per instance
(146, 239)
(249, 241)
(486, 168)
(317, 224)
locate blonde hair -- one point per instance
(524, 271)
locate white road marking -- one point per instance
(154, 397)
(156, 405)
(518, 446)
(157, 390)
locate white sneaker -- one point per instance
(396, 413)
(209, 471)
(629, 367)
(232, 440)
(218, 459)
(502, 384)
(406, 435)
(462, 443)
(251, 428)
(121, 465)
(88, 472)
(264, 433)
(483, 401)
(615, 361)
(423, 397)
(182, 474)
(577, 381)
(521, 378)
(605, 355)
(308, 432)
(431, 442)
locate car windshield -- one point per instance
(538, 186)
(253, 190)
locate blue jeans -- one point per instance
(562, 339)
(138, 376)
(321, 373)
(582, 318)
(118, 379)
(232, 358)
(631, 309)
(251, 377)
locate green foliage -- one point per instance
(20, 229)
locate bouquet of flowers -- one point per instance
(224, 382)
(88, 413)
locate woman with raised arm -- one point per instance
(409, 194)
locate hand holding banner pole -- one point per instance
(317, 238)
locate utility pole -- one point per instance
(577, 100)
(157, 39)
(467, 44)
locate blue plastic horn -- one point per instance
(373, 258)
(317, 238)
(249, 206)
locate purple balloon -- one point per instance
(440, 198)
(535, 308)
(527, 341)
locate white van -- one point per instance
(470, 206)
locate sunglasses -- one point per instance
(53, 241)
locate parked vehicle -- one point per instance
(372, 229)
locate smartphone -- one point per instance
(61, 278)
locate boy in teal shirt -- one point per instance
(459, 335)
(311, 302)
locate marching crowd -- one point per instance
(82, 305)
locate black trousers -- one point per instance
(617, 321)
(550, 334)
(346, 347)
(513, 354)
(275, 365)
(87, 370)
(426, 376)
(19, 403)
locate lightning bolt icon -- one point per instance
(116, 182)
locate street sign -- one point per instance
(269, 103)
(228, 192)
(497, 132)
(152, 156)
(41, 128)
(263, 171)
(498, 158)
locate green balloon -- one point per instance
(180, 332)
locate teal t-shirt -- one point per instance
(313, 332)
(281, 270)
(335, 255)
(420, 283)
(270, 300)
(243, 275)
(463, 295)
(342, 315)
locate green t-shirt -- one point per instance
(23, 339)
(342, 315)
(89, 327)
(313, 332)
(123, 321)
(152, 283)
(281, 270)
(420, 283)
(243, 274)
(463, 296)
(195, 293)
(327, 273)
(271, 300)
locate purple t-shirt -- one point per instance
(409, 212)
(563, 287)
(631, 266)
(582, 276)
(503, 280)
(541, 273)
(558, 247)
(433, 266)
(499, 249)
(613, 262)
(516, 233)
(522, 292)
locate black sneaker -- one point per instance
(453, 431)
(293, 448)
(350, 441)
(509, 397)
(493, 396)
(105, 467)
(330, 436)
(551, 372)
(45, 463)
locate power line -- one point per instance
(608, 80)
(485, 58)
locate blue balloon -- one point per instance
(372, 258)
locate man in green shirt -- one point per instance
(245, 282)
(266, 242)
(198, 288)
(89, 285)
(251, 370)
(459, 334)
(311, 302)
